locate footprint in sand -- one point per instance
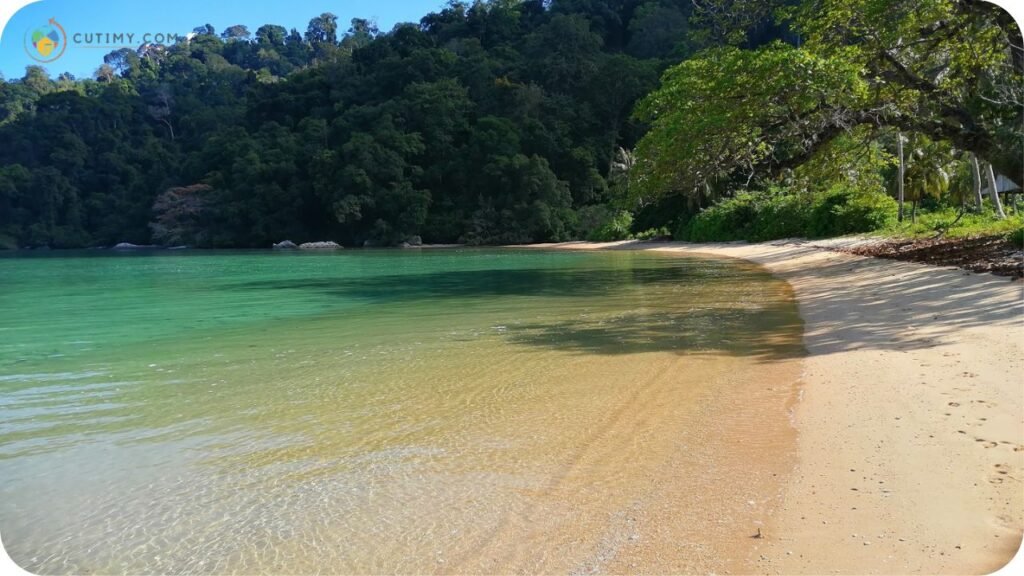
(1002, 472)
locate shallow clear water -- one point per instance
(369, 411)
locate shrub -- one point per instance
(842, 210)
(781, 215)
(651, 233)
(615, 229)
(732, 219)
(1017, 237)
(591, 218)
(778, 213)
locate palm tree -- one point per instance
(619, 170)
(929, 167)
(964, 181)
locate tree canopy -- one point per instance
(501, 121)
(949, 70)
(485, 122)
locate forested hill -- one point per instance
(491, 122)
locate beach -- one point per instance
(910, 450)
(694, 409)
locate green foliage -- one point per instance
(1017, 236)
(179, 213)
(731, 219)
(860, 158)
(487, 122)
(617, 228)
(949, 221)
(590, 218)
(727, 112)
(505, 122)
(843, 210)
(929, 168)
(784, 214)
(732, 117)
(652, 233)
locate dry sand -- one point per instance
(910, 453)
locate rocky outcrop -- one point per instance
(130, 246)
(414, 241)
(286, 245)
(320, 246)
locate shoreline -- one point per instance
(910, 451)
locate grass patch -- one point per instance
(931, 222)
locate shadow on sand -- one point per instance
(854, 302)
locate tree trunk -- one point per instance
(976, 170)
(899, 184)
(994, 192)
(913, 213)
(169, 127)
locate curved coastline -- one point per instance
(910, 449)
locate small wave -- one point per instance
(50, 376)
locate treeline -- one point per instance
(508, 121)
(490, 122)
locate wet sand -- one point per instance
(910, 423)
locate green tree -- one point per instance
(950, 70)
(179, 213)
(270, 35)
(236, 32)
(929, 168)
(323, 29)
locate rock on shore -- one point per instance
(130, 246)
(320, 246)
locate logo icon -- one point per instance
(46, 43)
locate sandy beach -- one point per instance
(910, 421)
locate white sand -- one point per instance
(911, 423)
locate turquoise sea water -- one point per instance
(337, 412)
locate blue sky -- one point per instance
(180, 16)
